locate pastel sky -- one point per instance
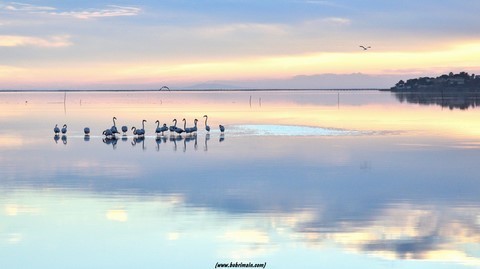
(145, 44)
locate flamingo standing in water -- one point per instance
(114, 127)
(164, 128)
(108, 133)
(56, 130)
(124, 129)
(180, 130)
(207, 128)
(173, 127)
(136, 131)
(222, 128)
(191, 129)
(139, 132)
(160, 129)
(64, 129)
(86, 130)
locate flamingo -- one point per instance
(114, 127)
(137, 132)
(164, 128)
(194, 129)
(143, 127)
(191, 129)
(86, 130)
(173, 127)
(158, 131)
(222, 128)
(124, 129)
(207, 128)
(180, 130)
(56, 130)
(64, 129)
(108, 133)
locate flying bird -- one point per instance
(365, 48)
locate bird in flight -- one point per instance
(365, 48)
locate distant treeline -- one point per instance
(451, 82)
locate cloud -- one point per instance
(337, 21)
(18, 41)
(323, 3)
(332, 21)
(109, 11)
(14, 6)
(250, 28)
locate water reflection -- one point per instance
(56, 138)
(64, 139)
(110, 141)
(451, 100)
(205, 146)
(159, 140)
(138, 140)
(299, 179)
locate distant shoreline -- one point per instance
(190, 90)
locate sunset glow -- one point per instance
(44, 46)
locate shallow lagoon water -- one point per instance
(299, 178)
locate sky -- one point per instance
(180, 43)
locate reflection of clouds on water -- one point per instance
(10, 141)
(404, 232)
(16, 209)
(119, 215)
(103, 169)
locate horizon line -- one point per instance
(196, 90)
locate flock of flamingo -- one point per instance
(112, 131)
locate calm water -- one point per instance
(298, 180)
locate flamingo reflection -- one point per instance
(111, 141)
(159, 140)
(207, 137)
(137, 140)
